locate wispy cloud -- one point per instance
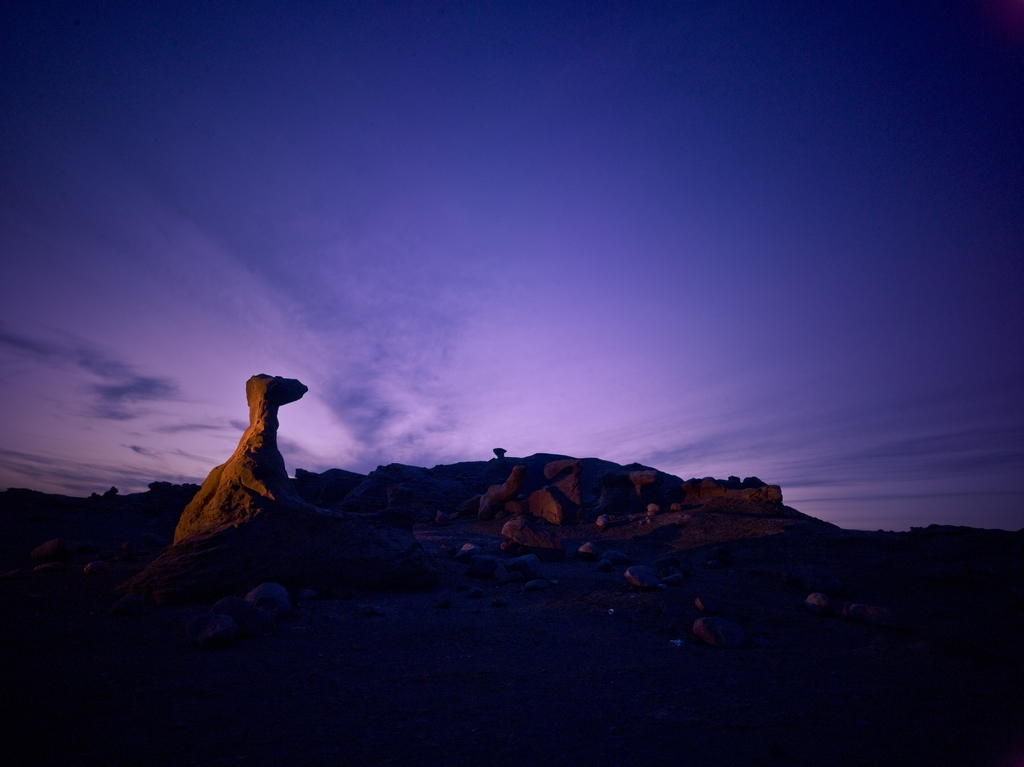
(120, 388)
(78, 477)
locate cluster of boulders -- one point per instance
(820, 604)
(60, 554)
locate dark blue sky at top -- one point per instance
(718, 238)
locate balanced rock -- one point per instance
(496, 496)
(248, 525)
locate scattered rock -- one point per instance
(56, 550)
(212, 630)
(475, 593)
(539, 541)
(818, 604)
(94, 567)
(676, 579)
(718, 632)
(467, 552)
(878, 616)
(537, 584)
(588, 552)
(604, 522)
(130, 606)
(441, 519)
(482, 566)
(642, 577)
(527, 565)
(604, 566)
(271, 596)
(653, 508)
(51, 567)
(616, 557)
(705, 605)
(251, 620)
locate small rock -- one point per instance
(467, 552)
(94, 567)
(499, 602)
(653, 508)
(676, 507)
(528, 565)
(705, 605)
(604, 566)
(616, 557)
(271, 596)
(440, 518)
(818, 604)
(718, 632)
(604, 522)
(130, 606)
(251, 620)
(878, 616)
(588, 552)
(56, 550)
(676, 579)
(212, 630)
(475, 593)
(51, 567)
(535, 585)
(482, 566)
(126, 553)
(642, 577)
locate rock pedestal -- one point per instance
(247, 526)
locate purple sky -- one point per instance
(781, 241)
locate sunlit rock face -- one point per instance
(254, 478)
(247, 525)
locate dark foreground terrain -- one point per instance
(583, 671)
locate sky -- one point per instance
(719, 238)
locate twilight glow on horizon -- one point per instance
(715, 238)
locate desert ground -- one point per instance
(583, 670)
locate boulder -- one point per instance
(482, 566)
(551, 504)
(718, 632)
(497, 495)
(271, 596)
(818, 604)
(212, 630)
(642, 577)
(616, 557)
(528, 565)
(55, 550)
(467, 552)
(588, 552)
(250, 619)
(130, 605)
(247, 525)
(538, 540)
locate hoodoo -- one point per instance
(247, 525)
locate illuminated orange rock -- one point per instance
(496, 495)
(247, 526)
(559, 502)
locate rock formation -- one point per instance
(497, 495)
(560, 501)
(247, 525)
